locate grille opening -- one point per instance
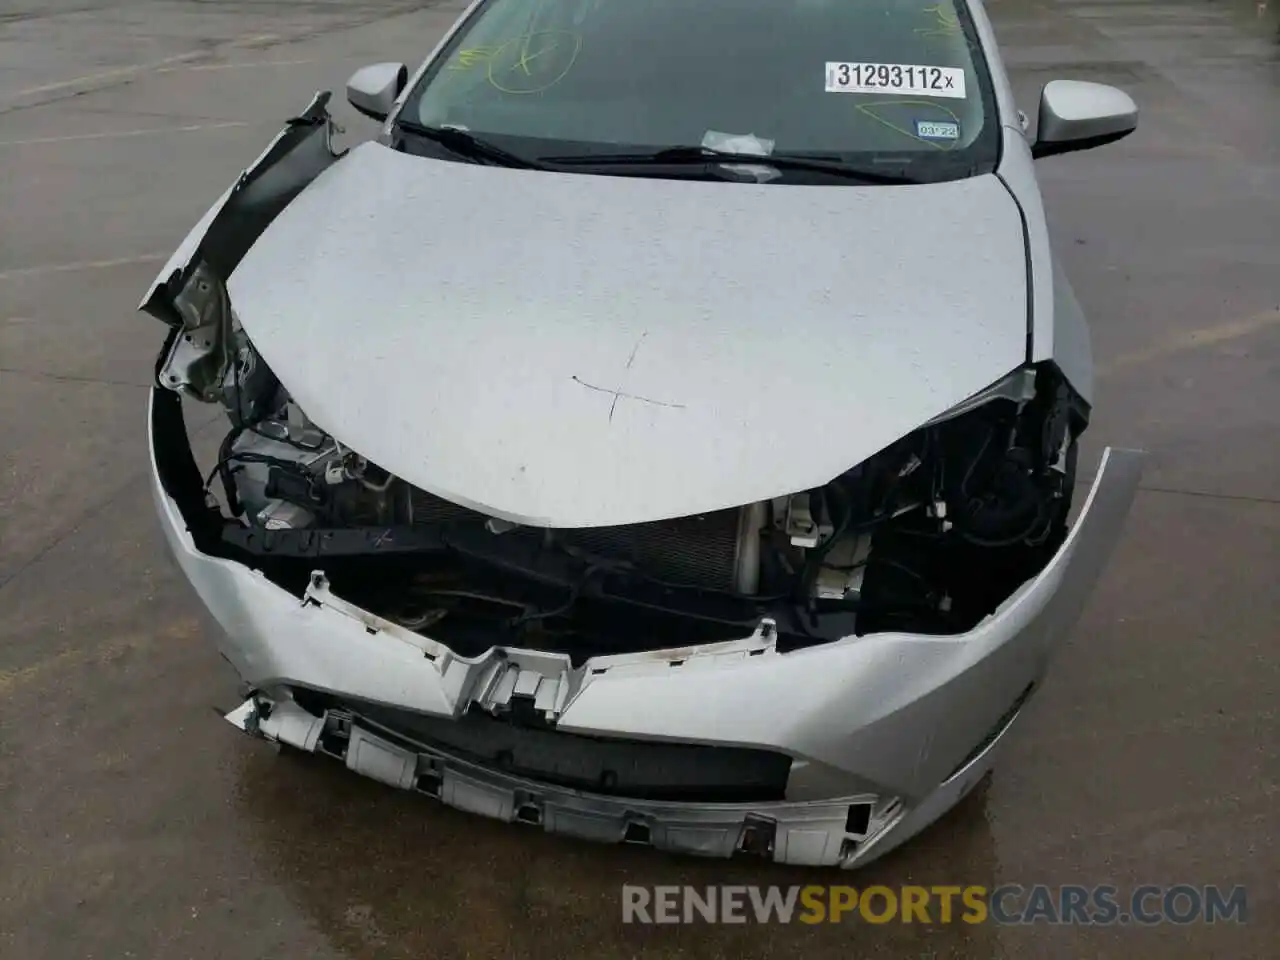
(758, 837)
(430, 784)
(858, 822)
(528, 813)
(641, 769)
(637, 833)
(700, 550)
(333, 740)
(471, 608)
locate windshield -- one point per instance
(883, 84)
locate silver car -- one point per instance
(665, 431)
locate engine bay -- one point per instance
(928, 536)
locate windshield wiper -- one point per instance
(674, 156)
(467, 144)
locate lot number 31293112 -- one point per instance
(896, 78)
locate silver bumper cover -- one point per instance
(905, 723)
(800, 833)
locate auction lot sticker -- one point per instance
(912, 79)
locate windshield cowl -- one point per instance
(704, 155)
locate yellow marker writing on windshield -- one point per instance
(526, 57)
(868, 110)
(555, 50)
(946, 22)
(471, 57)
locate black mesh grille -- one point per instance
(428, 508)
(698, 550)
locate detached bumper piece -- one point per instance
(832, 832)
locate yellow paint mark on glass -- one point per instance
(535, 62)
(946, 22)
(471, 57)
(868, 109)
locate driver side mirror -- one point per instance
(373, 89)
(1078, 115)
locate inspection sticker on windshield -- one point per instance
(895, 78)
(937, 130)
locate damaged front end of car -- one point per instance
(811, 678)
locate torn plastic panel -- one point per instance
(190, 293)
(843, 831)
(299, 153)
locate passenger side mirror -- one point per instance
(1078, 115)
(373, 89)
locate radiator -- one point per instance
(701, 550)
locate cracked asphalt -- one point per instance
(135, 823)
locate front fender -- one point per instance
(218, 242)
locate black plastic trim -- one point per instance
(301, 153)
(295, 553)
(1004, 723)
(1050, 148)
(1027, 265)
(611, 766)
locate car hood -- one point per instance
(569, 350)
